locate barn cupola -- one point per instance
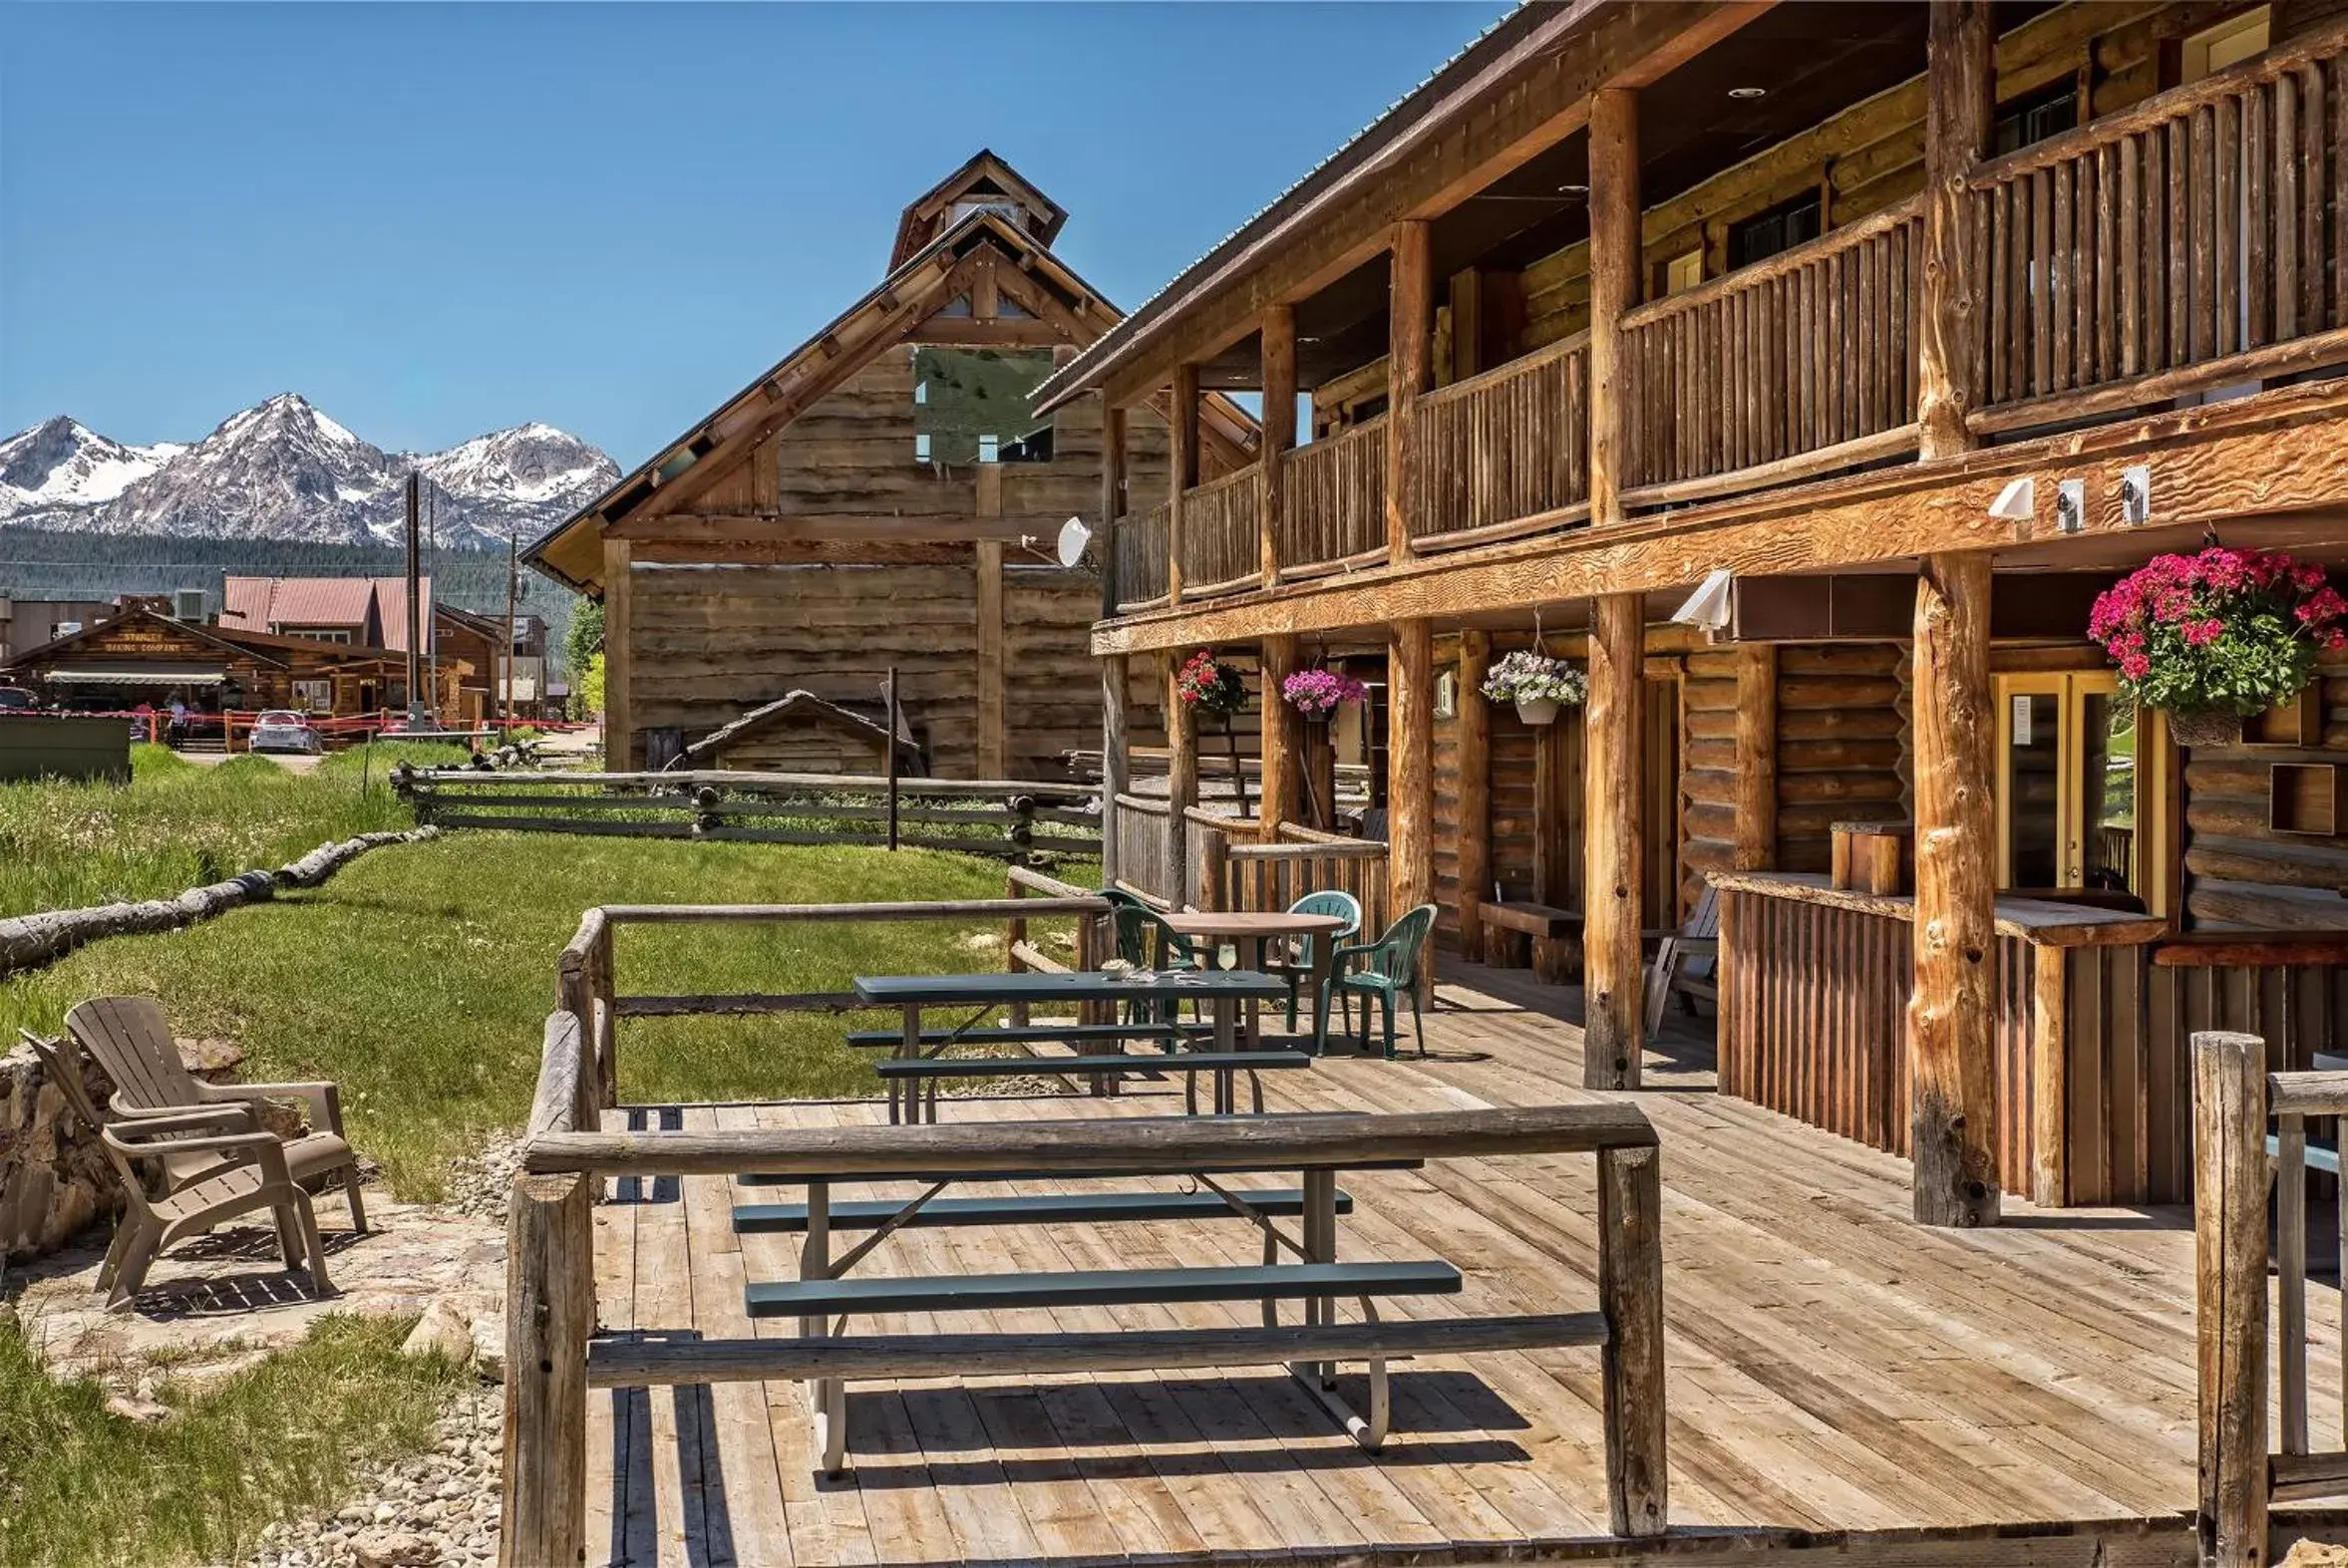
(984, 184)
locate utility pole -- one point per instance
(512, 591)
(416, 707)
(432, 643)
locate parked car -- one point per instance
(15, 699)
(281, 730)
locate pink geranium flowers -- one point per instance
(2221, 631)
(1317, 694)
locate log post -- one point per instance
(2230, 1293)
(1284, 766)
(1630, 1293)
(1475, 789)
(619, 742)
(1959, 115)
(1614, 288)
(550, 1316)
(1181, 469)
(1278, 337)
(1112, 502)
(1181, 779)
(1951, 1017)
(1115, 779)
(1613, 844)
(601, 1026)
(1410, 769)
(1756, 846)
(1409, 317)
(994, 737)
(1214, 869)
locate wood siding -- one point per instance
(2241, 873)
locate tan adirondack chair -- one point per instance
(131, 1038)
(1686, 962)
(217, 1166)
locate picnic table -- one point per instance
(1256, 929)
(913, 1089)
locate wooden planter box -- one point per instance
(1874, 857)
(2306, 797)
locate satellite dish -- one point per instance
(1073, 536)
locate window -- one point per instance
(1682, 273)
(2082, 788)
(314, 696)
(1781, 227)
(2228, 42)
(332, 634)
(2034, 117)
(977, 406)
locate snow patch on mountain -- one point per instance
(283, 470)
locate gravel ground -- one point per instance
(439, 1507)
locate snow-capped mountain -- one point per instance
(284, 470)
(61, 467)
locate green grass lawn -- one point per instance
(178, 825)
(83, 1488)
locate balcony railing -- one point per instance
(1141, 559)
(2175, 246)
(1794, 365)
(1333, 501)
(1502, 453)
(1223, 542)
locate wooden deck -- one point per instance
(1833, 1368)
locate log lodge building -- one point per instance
(883, 497)
(1627, 296)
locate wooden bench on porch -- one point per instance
(1519, 931)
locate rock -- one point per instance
(394, 1549)
(444, 1331)
(138, 1409)
(2311, 1554)
(214, 1061)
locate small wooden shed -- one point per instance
(800, 732)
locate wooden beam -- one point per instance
(1952, 1015)
(994, 741)
(1614, 289)
(1756, 845)
(549, 1318)
(1115, 777)
(1112, 503)
(1282, 727)
(1473, 733)
(1181, 468)
(1182, 776)
(1614, 845)
(2271, 453)
(1960, 112)
(2230, 1293)
(1410, 769)
(1278, 424)
(1630, 1288)
(620, 752)
(1410, 323)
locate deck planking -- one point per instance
(1831, 1366)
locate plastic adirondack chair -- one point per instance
(215, 1167)
(1298, 968)
(1381, 969)
(131, 1038)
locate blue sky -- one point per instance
(438, 220)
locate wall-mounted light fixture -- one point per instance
(2135, 494)
(2070, 507)
(2017, 502)
(1708, 607)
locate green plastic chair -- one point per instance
(1146, 941)
(1380, 968)
(1299, 968)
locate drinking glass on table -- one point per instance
(1226, 954)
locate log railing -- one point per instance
(2233, 1097)
(1142, 863)
(1503, 453)
(1223, 547)
(2178, 245)
(1143, 555)
(1789, 367)
(1237, 870)
(1333, 501)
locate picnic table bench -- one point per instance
(1515, 928)
(923, 1061)
(1626, 1320)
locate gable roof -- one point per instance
(376, 609)
(257, 648)
(803, 706)
(984, 177)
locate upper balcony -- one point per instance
(2187, 243)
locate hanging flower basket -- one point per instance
(1208, 685)
(1537, 684)
(2213, 638)
(1316, 695)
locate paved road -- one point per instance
(294, 763)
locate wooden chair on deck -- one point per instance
(131, 1038)
(1686, 962)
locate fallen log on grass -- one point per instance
(30, 941)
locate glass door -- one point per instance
(2081, 778)
(2032, 771)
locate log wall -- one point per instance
(2242, 874)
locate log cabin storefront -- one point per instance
(1922, 325)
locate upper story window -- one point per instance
(2230, 41)
(1777, 229)
(2032, 118)
(977, 406)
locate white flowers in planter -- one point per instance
(1537, 684)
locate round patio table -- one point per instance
(1254, 931)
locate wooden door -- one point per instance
(1661, 895)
